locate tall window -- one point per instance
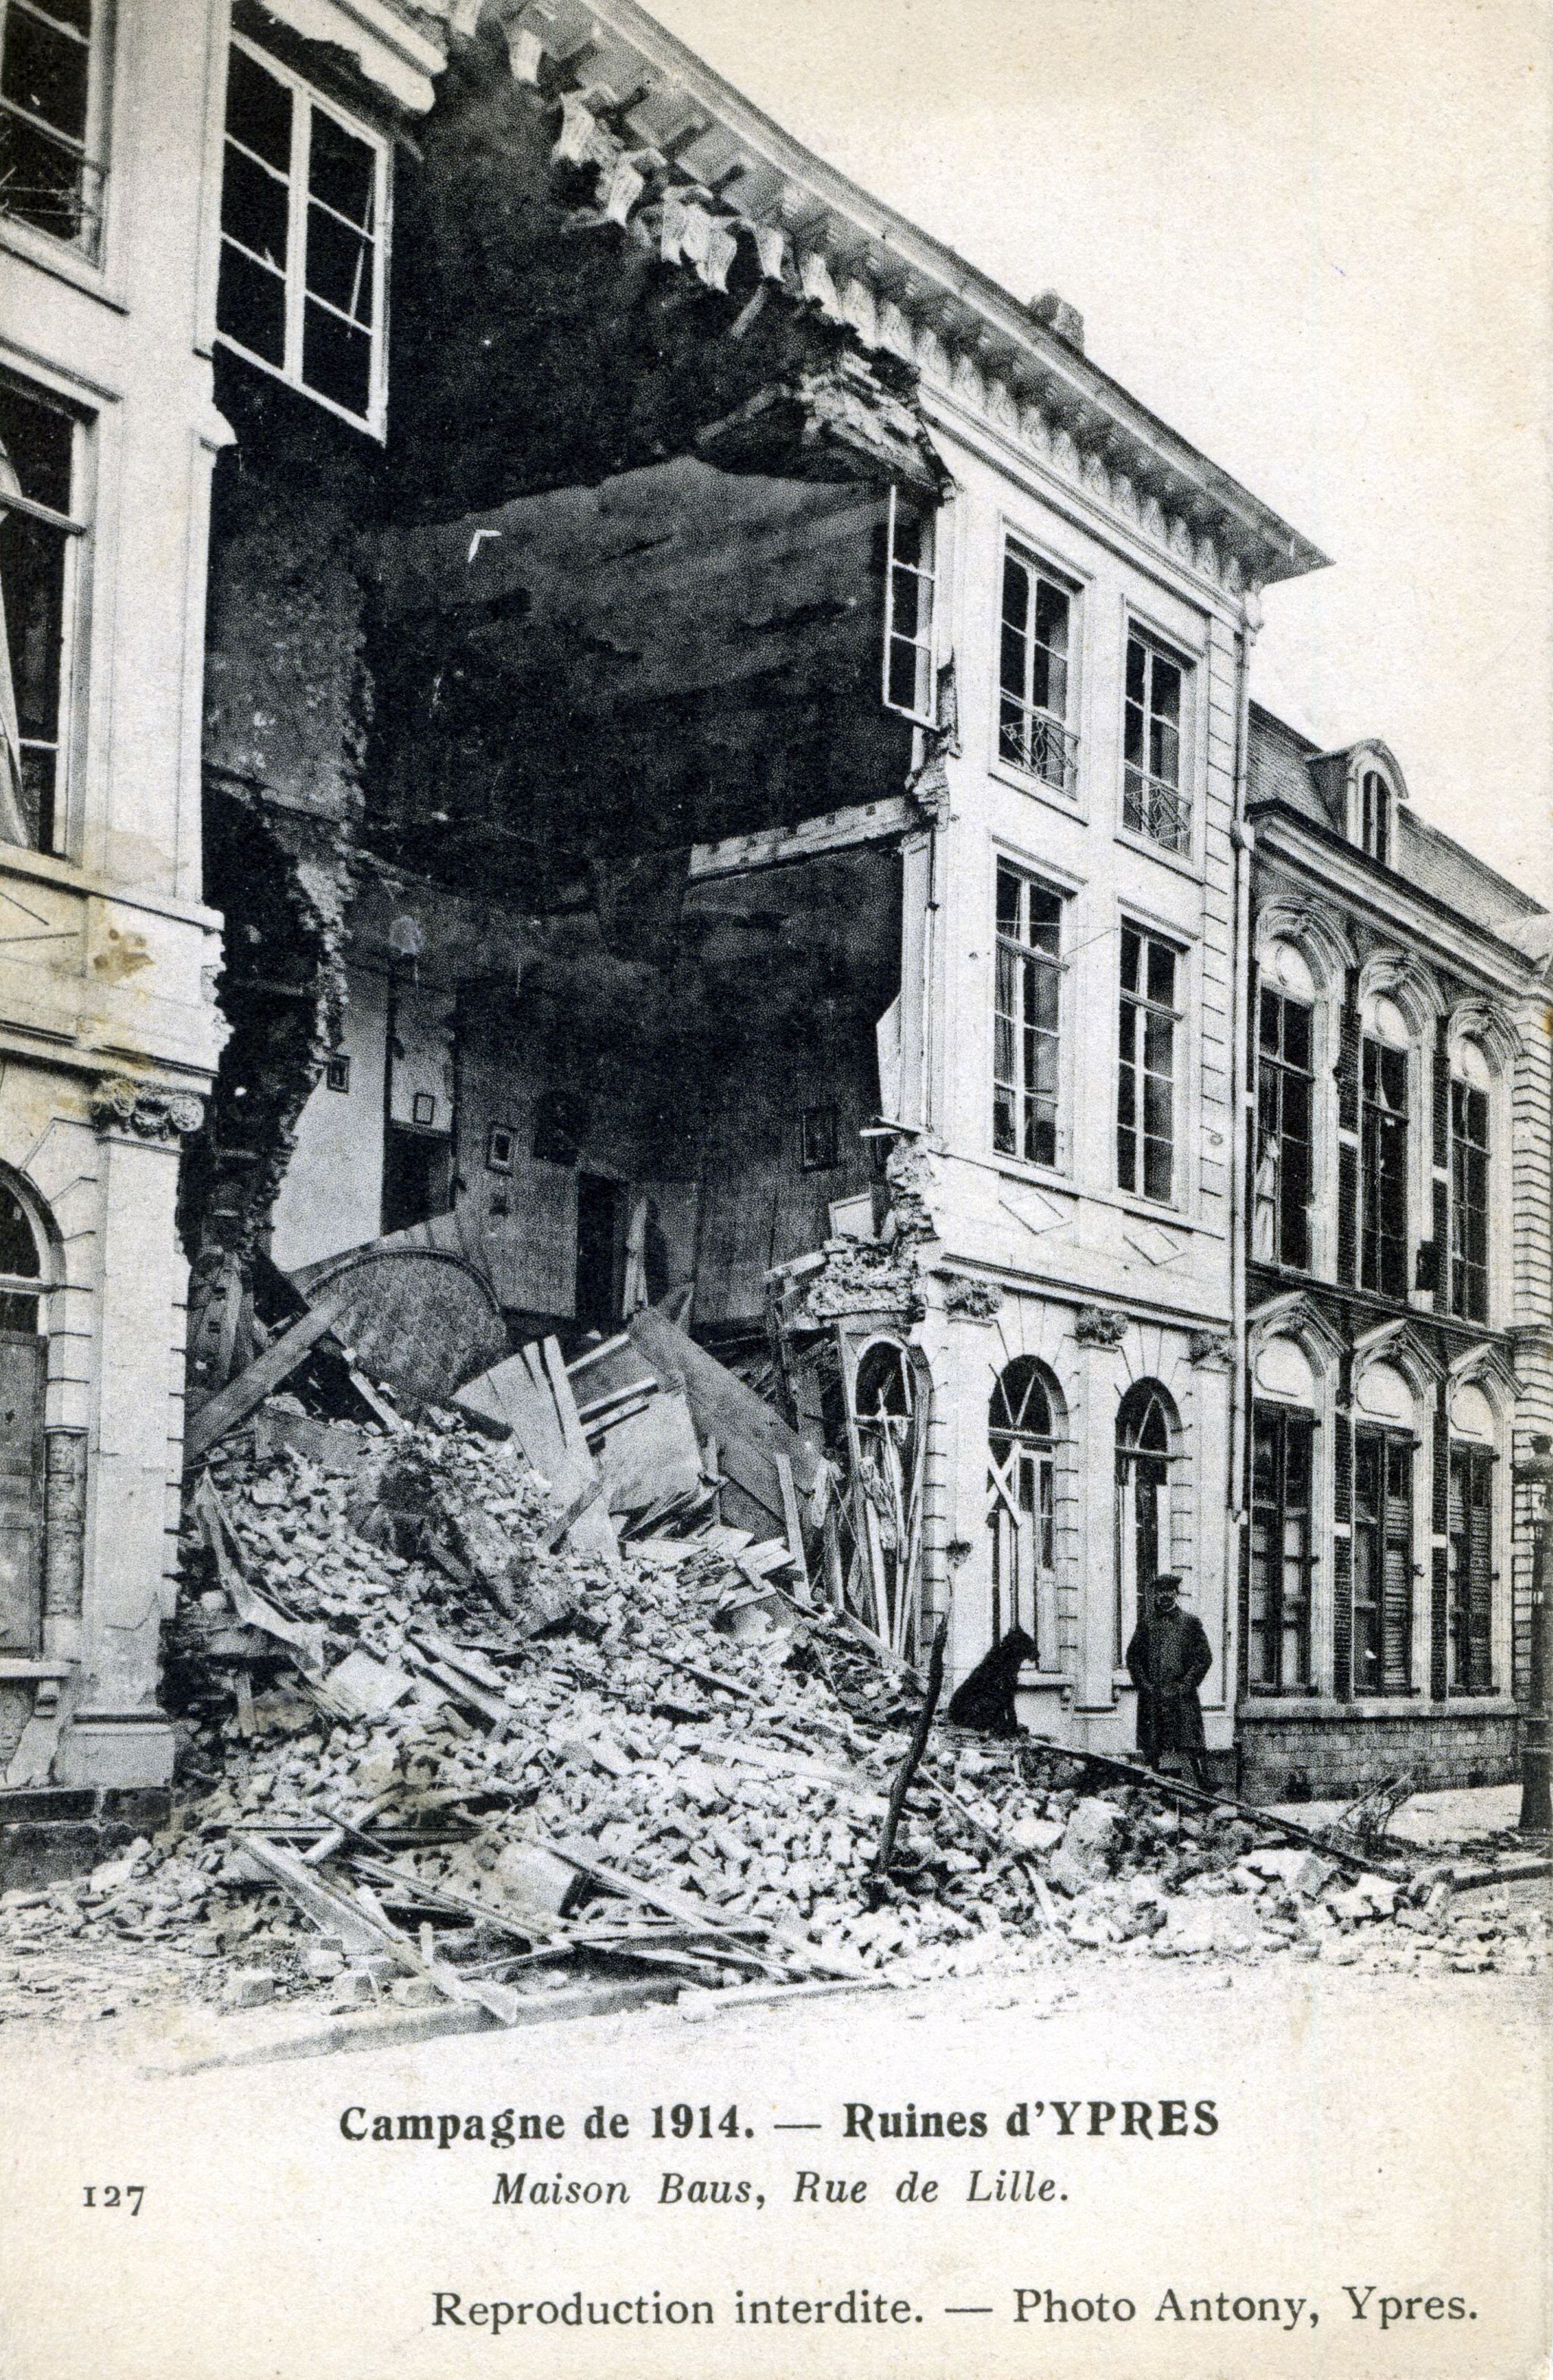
(1143, 1460)
(1382, 1562)
(1285, 1101)
(1033, 672)
(1384, 1156)
(23, 1367)
(1145, 1079)
(302, 261)
(1374, 815)
(1155, 801)
(38, 533)
(1469, 1201)
(1471, 1570)
(1026, 1025)
(1282, 1555)
(49, 100)
(1021, 1505)
(908, 614)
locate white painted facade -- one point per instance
(1105, 1288)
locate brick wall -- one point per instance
(1320, 1756)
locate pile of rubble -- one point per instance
(433, 1748)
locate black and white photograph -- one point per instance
(776, 1188)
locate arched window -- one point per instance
(20, 1266)
(23, 1365)
(1283, 1551)
(1021, 1501)
(1471, 1085)
(889, 1443)
(1145, 1429)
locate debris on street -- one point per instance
(440, 1743)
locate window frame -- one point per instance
(74, 529)
(1463, 1150)
(86, 246)
(1469, 1597)
(924, 643)
(1273, 1629)
(1377, 816)
(1275, 1071)
(1387, 1441)
(1183, 793)
(1022, 1512)
(1145, 1006)
(307, 102)
(1064, 784)
(1375, 1114)
(1140, 1469)
(1026, 956)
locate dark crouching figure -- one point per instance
(984, 1699)
(1167, 1661)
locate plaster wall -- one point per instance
(1053, 1240)
(107, 957)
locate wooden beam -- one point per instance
(233, 1403)
(741, 854)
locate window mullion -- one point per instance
(296, 232)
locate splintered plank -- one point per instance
(722, 1404)
(233, 1404)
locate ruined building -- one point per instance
(684, 749)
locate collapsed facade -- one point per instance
(724, 783)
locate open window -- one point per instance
(910, 586)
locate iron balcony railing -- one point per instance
(1037, 742)
(1156, 809)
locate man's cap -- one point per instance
(1166, 1578)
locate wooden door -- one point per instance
(22, 1354)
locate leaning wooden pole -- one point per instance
(915, 1750)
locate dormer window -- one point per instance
(1375, 817)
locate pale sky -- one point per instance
(1316, 236)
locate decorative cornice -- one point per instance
(1100, 1326)
(1480, 1021)
(1403, 1343)
(1398, 975)
(1289, 838)
(966, 1300)
(688, 167)
(1488, 1368)
(1316, 932)
(1302, 1318)
(145, 1111)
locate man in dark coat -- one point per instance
(1167, 1661)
